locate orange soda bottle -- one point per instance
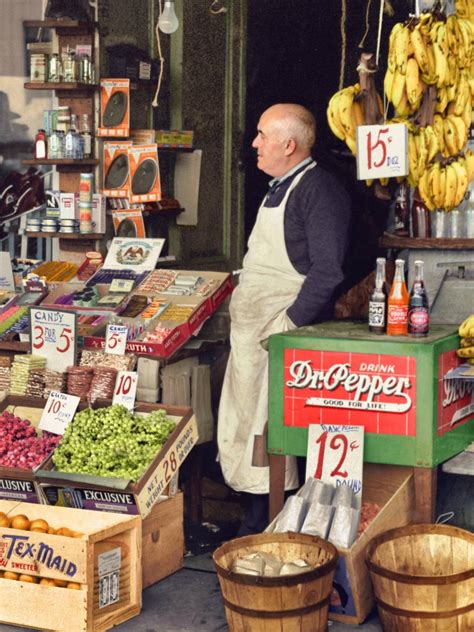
(397, 312)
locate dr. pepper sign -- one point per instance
(371, 390)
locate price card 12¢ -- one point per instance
(335, 455)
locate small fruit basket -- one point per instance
(68, 569)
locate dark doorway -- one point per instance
(294, 51)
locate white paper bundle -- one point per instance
(344, 526)
(343, 497)
(318, 520)
(292, 516)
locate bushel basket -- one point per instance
(423, 578)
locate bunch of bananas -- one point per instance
(444, 187)
(464, 9)
(344, 113)
(466, 332)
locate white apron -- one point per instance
(268, 286)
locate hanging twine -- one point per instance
(343, 44)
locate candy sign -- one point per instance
(382, 151)
(116, 339)
(58, 412)
(125, 389)
(335, 455)
(53, 336)
(337, 387)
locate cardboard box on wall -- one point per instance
(116, 169)
(145, 184)
(114, 108)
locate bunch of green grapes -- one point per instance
(112, 441)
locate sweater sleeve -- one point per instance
(321, 208)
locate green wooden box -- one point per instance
(338, 373)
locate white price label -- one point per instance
(125, 389)
(382, 151)
(116, 339)
(58, 412)
(53, 336)
(336, 455)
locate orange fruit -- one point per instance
(74, 586)
(28, 578)
(39, 525)
(10, 575)
(20, 522)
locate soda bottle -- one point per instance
(402, 213)
(397, 313)
(418, 306)
(378, 301)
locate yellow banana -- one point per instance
(398, 87)
(333, 117)
(465, 326)
(358, 113)
(426, 22)
(422, 151)
(440, 195)
(461, 181)
(441, 100)
(412, 161)
(403, 109)
(345, 100)
(439, 131)
(469, 162)
(431, 142)
(462, 10)
(430, 76)
(419, 48)
(465, 352)
(401, 42)
(467, 342)
(461, 131)
(384, 181)
(391, 46)
(351, 143)
(434, 184)
(466, 31)
(413, 86)
(424, 191)
(441, 65)
(450, 188)
(451, 34)
(467, 114)
(450, 137)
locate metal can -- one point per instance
(54, 69)
(86, 70)
(38, 67)
(86, 188)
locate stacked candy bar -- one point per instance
(35, 385)
(22, 365)
(79, 380)
(53, 381)
(5, 374)
(103, 383)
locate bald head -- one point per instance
(285, 135)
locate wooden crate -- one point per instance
(163, 540)
(105, 561)
(392, 488)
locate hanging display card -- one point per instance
(7, 282)
(335, 455)
(134, 253)
(116, 339)
(382, 151)
(53, 336)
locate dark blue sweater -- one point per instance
(316, 225)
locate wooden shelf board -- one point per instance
(14, 346)
(69, 86)
(389, 240)
(74, 236)
(73, 25)
(68, 165)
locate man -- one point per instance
(290, 275)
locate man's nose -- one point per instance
(255, 142)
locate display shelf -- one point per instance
(20, 347)
(65, 26)
(388, 240)
(75, 236)
(68, 86)
(64, 164)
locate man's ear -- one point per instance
(290, 147)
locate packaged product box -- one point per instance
(86, 578)
(114, 108)
(143, 136)
(98, 213)
(116, 169)
(69, 205)
(176, 139)
(145, 184)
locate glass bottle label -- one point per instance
(376, 314)
(398, 314)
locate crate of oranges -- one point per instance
(63, 568)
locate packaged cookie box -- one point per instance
(88, 579)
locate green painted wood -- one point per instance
(426, 449)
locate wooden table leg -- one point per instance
(277, 484)
(426, 479)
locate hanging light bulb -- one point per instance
(168, 22)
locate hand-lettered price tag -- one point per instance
(125, 389)
(58, 412)
(116, 339)
(335, 455)
(382, 151)
(121, 285)
(53, 336)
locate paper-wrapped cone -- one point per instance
(318, 520)
(292, 516)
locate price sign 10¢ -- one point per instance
(126, 389)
